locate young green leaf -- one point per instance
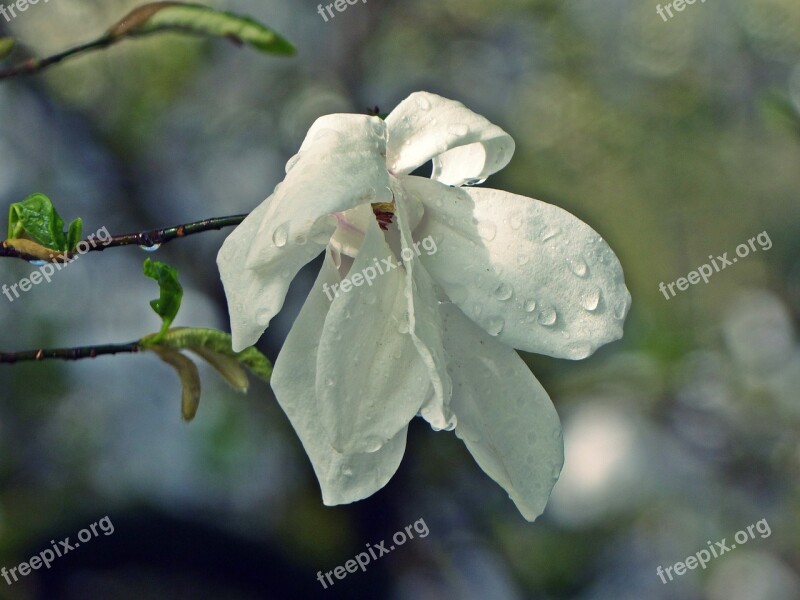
(37, 218)
(168, 303)
(190, 379)
(215, 341)
(74, 234)
(228, 367)
(200, 20)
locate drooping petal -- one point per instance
(464, 145)
(370, 379)
(505, 417)
(342, 478)
(528, 272)
(425, 321)
(341, 165)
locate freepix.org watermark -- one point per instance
(715, 550)
(46, 557)
(362, 559)
(704, 272)
(678, 5)
(340, 6)
(369, 274)
(48, 269)
(15, 7)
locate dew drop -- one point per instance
(494, 326)
(619, 309)
(423, 103)
(578, 266)
(579, 351)
(530, 305)
(547, 316)
(591, 299)
(403, 327)
(474, 181)
(329, 381)
(300, 239)
(372, 444)
(292, 162)
(263, 317)
(151, 248)
(487, 231)
(550, 233)
(458, 130)
(477, 309)
(281, 235)
(523, 259)
(40, 263)
(503, 292)
(347, 472)
(516, 221)
(438, 202)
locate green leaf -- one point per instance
(74, 235)
(6, 46)
(216, 341)
(189, 376)
(200, 20)
(171, 293)
(37, 218)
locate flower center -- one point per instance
(384, 213)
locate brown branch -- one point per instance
(69, 353)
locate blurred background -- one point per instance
(674, 140)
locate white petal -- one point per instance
(505, 417)
(370, 380)
(425, 321)
(342, 478)
(341, 165)
(528, 272)
(464, 145)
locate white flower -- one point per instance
(435, 336)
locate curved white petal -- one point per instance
(341, 165)
(425, 321)
(528, 272)
(505, 417)
(342, 478)
(370, 379)
(464, 145)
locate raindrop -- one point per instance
(487, 231)
(151, 248)
(550, 233)
(321, 237)
(281, 235)
(379, 128)
(329, 381)
(494, 326)
(530, 305)
(458, 130)
(37, 263)
(423, 103)
(578, 266)
(372, 444)
(591, 299)
(579, 351)
(263, 317)
(292, 162)
(523, 259)
(547, 316)
(503, 292)
(347, 472)
(403, 327)
(474, 181)
(619, 309)
(516, 221)
(477, 309)
(300, 239)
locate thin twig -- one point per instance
(34, 65)
(153, 237)
(69, 353)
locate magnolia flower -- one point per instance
(423, 333)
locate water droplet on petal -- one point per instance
(477, 309)
(620, 308)
(503, 292)
(347, 472)
(494, 326)
(487, 231)
(474, 181)
(330, 381)
(579, 351)
(152, 248)
(403, 327)
(578, 266)
(379, 129)
(516, 221)
(423, 103)
(550, 233)
(37, 263)
(591, 299)
(458, 130)
(300, 239)
(547, 316)
(281, 235)
(263, 317)
(523, 259)
(530, 305)
(292, 163)
(372, 444)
